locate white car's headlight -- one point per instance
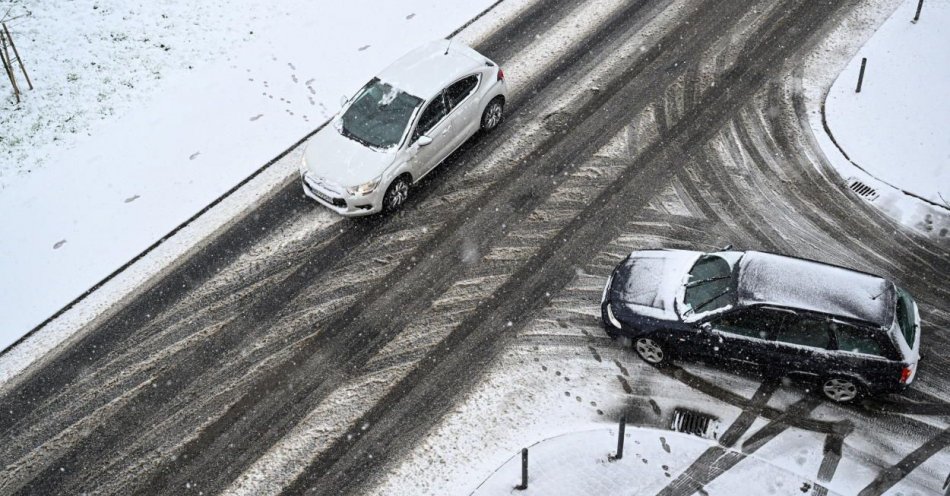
(365, 188)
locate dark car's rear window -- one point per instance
(905, 316)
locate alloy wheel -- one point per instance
(649, 350)
(840, 390)
(493, 115)
(397, 194)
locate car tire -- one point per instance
(493, 113)
(651, 350)
(841, 389)
(396, 195)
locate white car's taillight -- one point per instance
(501, 74)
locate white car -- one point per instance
(401, 125)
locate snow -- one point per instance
(831, 71)
(653, 280)
(896, 127)
(766, 278)
(160, 134)
(577, 463)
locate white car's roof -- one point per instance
(767, 278)
(426, 70)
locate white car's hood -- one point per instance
(650, 281)
(345, 162)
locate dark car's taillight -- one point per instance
(501, 74)
(906, 374)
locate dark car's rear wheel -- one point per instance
(396, 194)
(651, 350)
(493, 113)
(840, 389)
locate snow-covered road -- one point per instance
(413, 354)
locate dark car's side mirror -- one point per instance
(424, 140)
(705, 327)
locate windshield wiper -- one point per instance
(714, 298)
(345, 132)
(693, 284)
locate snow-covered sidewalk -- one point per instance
(578, 463)
(894, 132)
(93, 200)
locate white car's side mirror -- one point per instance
(423, 140)
(343, 100)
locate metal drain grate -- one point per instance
(862, 190)
(695, 423)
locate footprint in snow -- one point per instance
(192, 157)
(59, 243)
(364, 47)
(132, 198)
(410, 16)
(666, 447)
(291, 66)
(256, 117)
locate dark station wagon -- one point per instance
(851, 333)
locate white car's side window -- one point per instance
(432, 115)
(460, 90)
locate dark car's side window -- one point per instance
(758, 323)
(430, 116)
(805, 330)
(460, 90)
(856, 340)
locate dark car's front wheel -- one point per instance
(841, 389)
(651, 350)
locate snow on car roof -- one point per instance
(426, 70)
(766, 278)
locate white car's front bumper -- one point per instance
(342, 203)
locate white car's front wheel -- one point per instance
(396, 194)
(493, 113)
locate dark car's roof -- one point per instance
(766, 278)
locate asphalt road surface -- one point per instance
(194, 380)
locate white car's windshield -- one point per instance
(379, 115)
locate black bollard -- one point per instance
(920, 5)
(864, 62)
(524, 470)
(623, 427)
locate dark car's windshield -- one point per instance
(710, 285)
(379, 115)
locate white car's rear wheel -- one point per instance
(493, 114)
